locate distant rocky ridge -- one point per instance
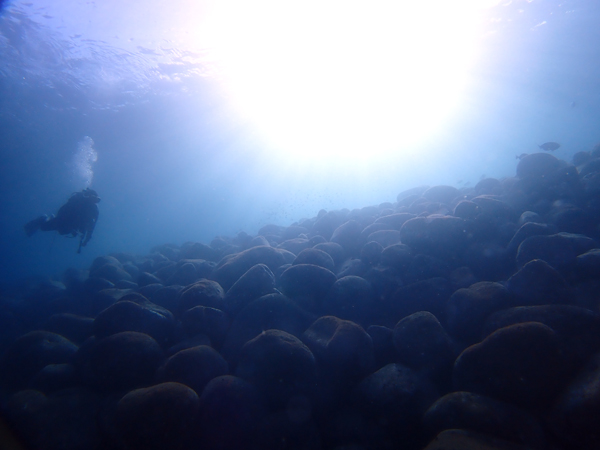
(448, 319)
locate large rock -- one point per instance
(343, 349)
(31, 353)
(396, 398)
(427, 295)
(144, 317)
(202, 293)
(307, 284)
(469, 411)
(230, 270)
(443, 236)
(273, 311)
(578, 329)
(537, 165)
(126, 360)
(576, 414)
(348, 235)
(537, 283)
(194, 367)
(158, 417)
(279, 365)
(316, 257)
(468, 308)
(521, 364)
(256, 282)
(230, 412)
(422, 343)
(352, 298)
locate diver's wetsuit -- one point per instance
(78, 215)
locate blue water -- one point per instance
(176, 163)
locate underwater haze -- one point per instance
(198, 119)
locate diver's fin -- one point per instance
(34, 225)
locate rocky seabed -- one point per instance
(449, 319)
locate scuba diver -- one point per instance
(78, 215)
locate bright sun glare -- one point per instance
(324, 78)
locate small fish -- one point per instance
(549, 146)
(521, 156)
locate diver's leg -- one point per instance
(49, 223)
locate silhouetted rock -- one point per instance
(158, 417)
(279, 365)
(521, 364)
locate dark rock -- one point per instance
(578, 329)
(257, 241)
(537, 165)
(31, 353)
(467, 439)
(468, 308)
(442, 194)
(527, 230)
(352, 298)
(348, 235)
(106, 297)
(385, 237)
(194, 367)
(440, 236)
(588, 264)
(150, 289)
(200, 251)
(293, 426)
(334, 250)
(529, 216)
(576, 414)
(230, 412)
(383, 345)
(423, 267)
(327, 223)
(211, 322)
(395, 221)
(273, 311)
(167, 297)
(316, 257)
(144, 317)
(370, 253)
(422, 343)
(467, 209)
(581, 158)
(295, 246)
(158, 417)
(102, 260)
(343, 349)
(279, 365)
(466, 410)
(307, 284)
(256, 282)
(397, 256)
(555, 249)
(63, 420)
(292, 232)
(54, 377)
(230, 270)
(73, 327)
(521, 364)
(202, 293)
(427, 295)
(537, 283)
(93, 285)
(352, 267)
(183, 276)
(124, 360)
(112, 273)
(396, 398)
(488, 186)
(409, 193)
